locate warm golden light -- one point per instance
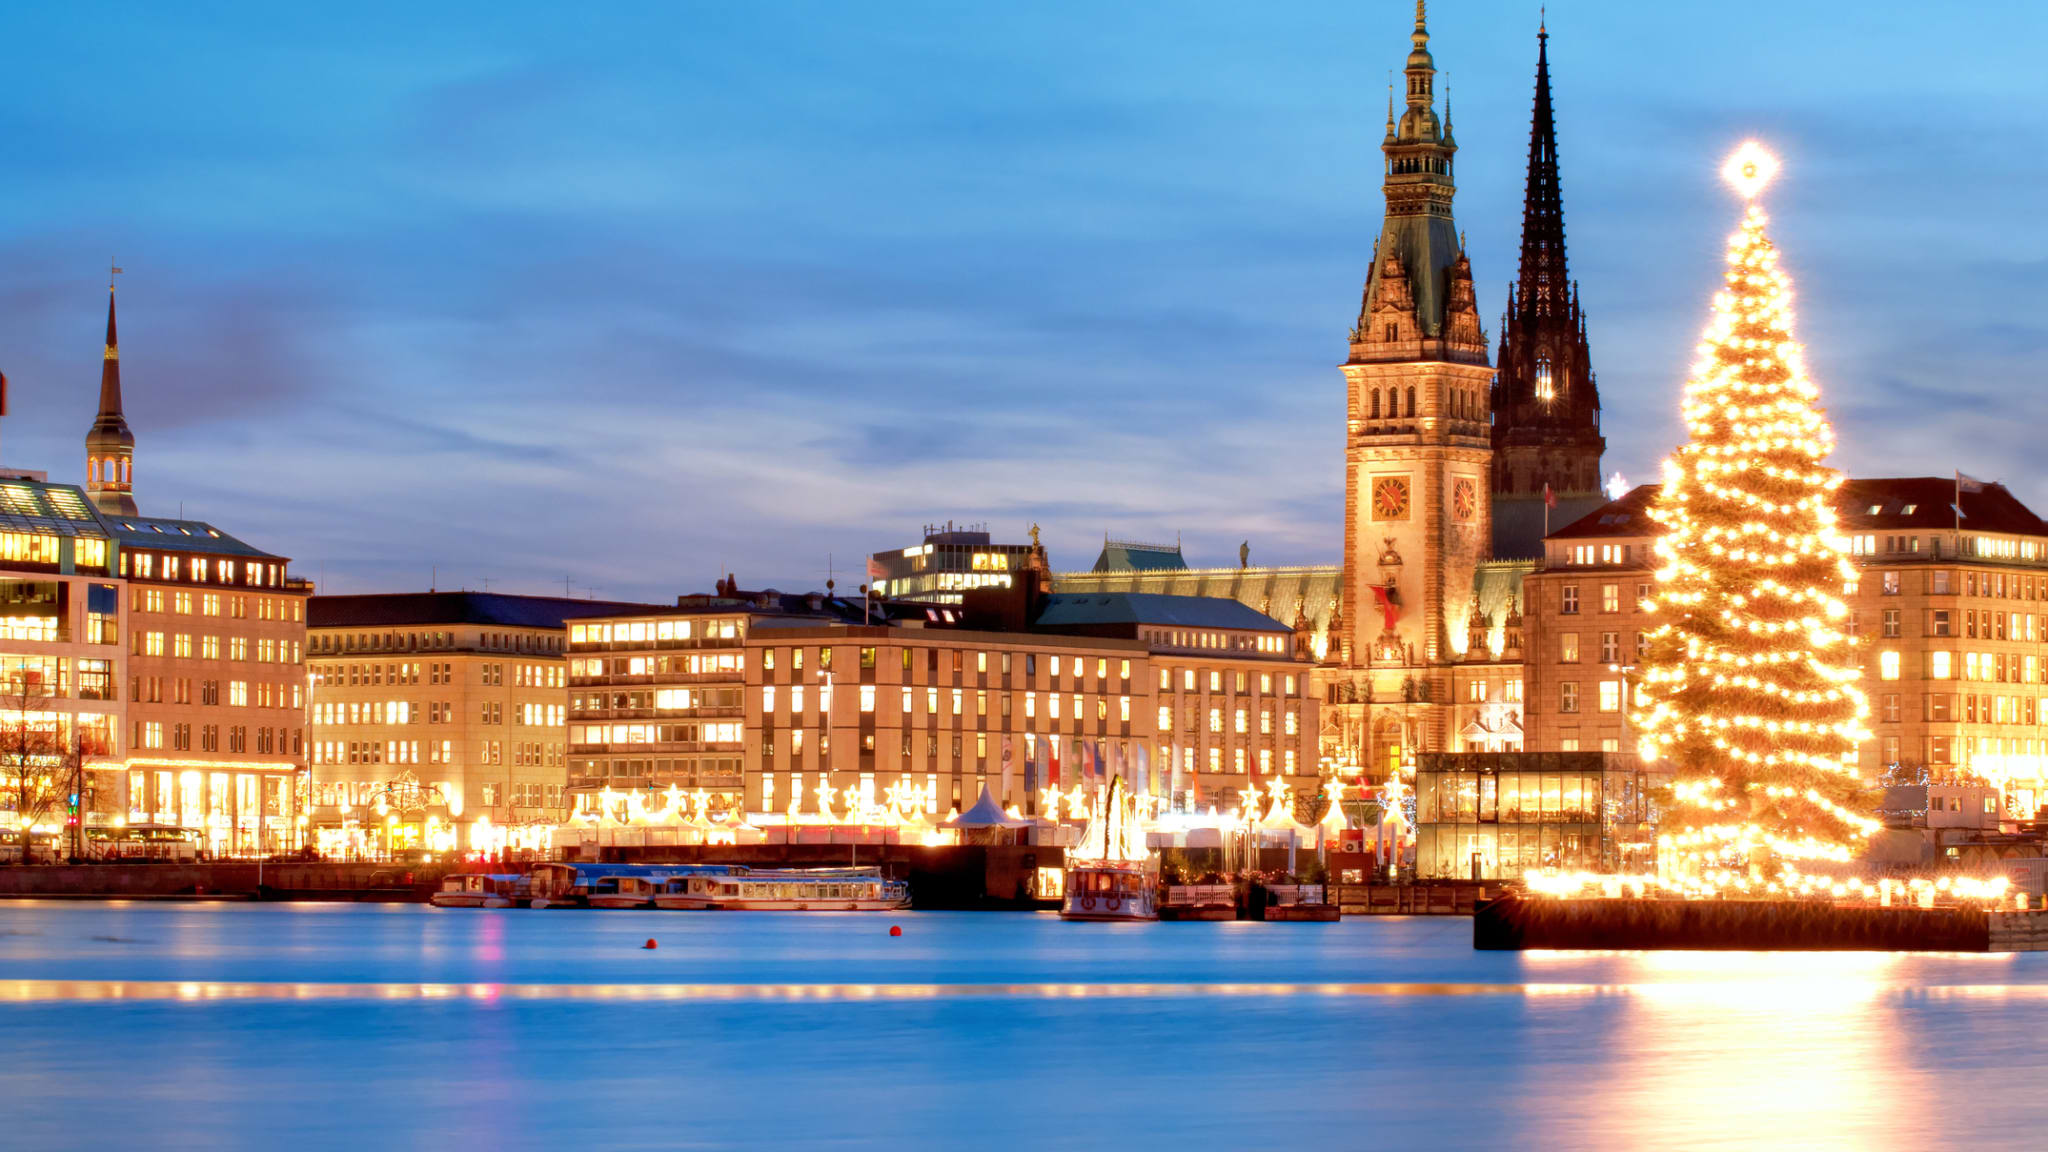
(1749, 168)
(1749, 686)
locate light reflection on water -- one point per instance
(344, 1027)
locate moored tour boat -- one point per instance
(480, 890)
(1122, 882)
(624, 892)
(598, 885)
(785, 890)
(1110, 890)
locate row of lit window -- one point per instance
(329, 641)
(180, 602)
(1161, 756)
(153, 735)
(1968, 708)
(1999, 667)
(153, 690)
(691, 665)
(1610, 647)
(654, 631)
(266, 649)
(201, 569)
(1609, 692)
(1240, 681)
(956, 660)
(1290, 721)
(698, 733)
(1610, 598)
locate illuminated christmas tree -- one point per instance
(1749, 689)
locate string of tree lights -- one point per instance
(1749, 688)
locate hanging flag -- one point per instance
(1052, 768)
(1390, 609)
(1967, 483)
(1173, 764)
(1005, 798)
(1144, 771)
(1549, 499)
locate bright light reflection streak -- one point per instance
(1757, 985)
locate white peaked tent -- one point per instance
(985, 813)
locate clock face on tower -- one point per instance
(1390, 498)
(1464, 499)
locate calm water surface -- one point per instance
(330, 1026)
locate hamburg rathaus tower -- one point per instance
(1418, 455)
(1546, 410)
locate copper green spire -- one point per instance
(110, 446)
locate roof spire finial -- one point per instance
(109, 445)
(1543, 22)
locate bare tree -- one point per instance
(41, 763)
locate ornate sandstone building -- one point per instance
(1418, 450)
(1419, 633)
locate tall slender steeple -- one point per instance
(1417, 452)
(110, 446)
(1410, 291)
(1546, 425)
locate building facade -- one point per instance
(216, 684)
(62, 661)
(1950, 615)
(948, 564)
(657, 695)
(439, 720)
(769, 708)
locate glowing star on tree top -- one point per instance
(1749, 168)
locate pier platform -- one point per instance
(1513, 923)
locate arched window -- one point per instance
(1546, 389)
(1411, 401)
(1375, 403)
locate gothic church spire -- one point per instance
(1546, 426)
(109, 445)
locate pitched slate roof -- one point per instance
(1929, 502)
(1126, 556)
(156, 532)
(1899, 503)
(402, 609)
(1068, 609)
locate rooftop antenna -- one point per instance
(433, 577)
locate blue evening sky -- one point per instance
(630, 295)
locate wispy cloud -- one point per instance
(632, 296)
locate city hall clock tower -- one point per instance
(1418, 452)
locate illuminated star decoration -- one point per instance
(1749, 168)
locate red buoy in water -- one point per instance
(895, 929)
(650, 943)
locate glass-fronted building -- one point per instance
(1493, 815)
